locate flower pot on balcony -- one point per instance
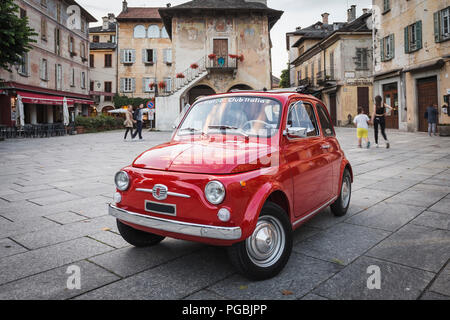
(194, 66)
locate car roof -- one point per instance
(282, 96)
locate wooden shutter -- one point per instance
(169, 55)
(407, 39)
(122, 55)
(122, 85)
(382, 49)
(144, 56)
(392, 42)
(133, 56)
(155, 55)
(133, 85)
(437, 26)
(419, 35)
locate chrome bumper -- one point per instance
(190, 229)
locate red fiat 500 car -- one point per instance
(242, 170)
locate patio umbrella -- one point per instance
(20, 115)
(117, 111)
(66, 112)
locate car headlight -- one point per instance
(215, 192)
(122, 180)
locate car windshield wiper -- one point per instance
(224, 127)
(193, 130)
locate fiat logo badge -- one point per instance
(160, 192)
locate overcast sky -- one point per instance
(296, 13)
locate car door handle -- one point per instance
(326, 146)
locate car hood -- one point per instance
(227, 157)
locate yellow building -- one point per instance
(144, 53)
(412, 59)
(334, 63)
(103, 63)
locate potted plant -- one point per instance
(444, 129)
(212, 56)
(162, 85)
(194, 66)
(180, 76)
(152, 85)
(233, 56)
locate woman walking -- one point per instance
(128, 123)
(379, 119)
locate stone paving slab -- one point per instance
(434, 220)
(397, 282)
(9, 248)
(415, 246)
(52, 284)
(442, 283)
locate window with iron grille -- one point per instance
(413, 37)
(362, 59)
(387, 48)
(442, 25)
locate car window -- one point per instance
(301, 115)
(325, 122)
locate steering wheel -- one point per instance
(266, 125)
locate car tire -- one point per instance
(259, 260)
(136, 237)
(341, 205)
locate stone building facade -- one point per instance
(103, 63)
(412, 59)
(56, 67)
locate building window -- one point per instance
(83, 80)
(153, 32)
(71, 46)
(58, 77)
(108, 89)
(146, 84)
(44, 70)
(127, 85)
(57, 41)
(361, 59)
(164, 33)
(108, 60)
(299, 77)
(91, 86)
(149, 56)
(112, 39)
(43, 29)
(386, 6)
(442, 25)
(72, 77)
(332, 65)
(128, 56)
(387, 48)
(83, 26)
(91, 61)
(413, 37)
(23, 13)
(82, 51)
(96, 39)
(23, 67)
(139, 32)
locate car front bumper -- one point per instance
(189, 229)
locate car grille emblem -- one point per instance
(160, 192)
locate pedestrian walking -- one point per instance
(129, 122)
(138, 117)
(362, 127)
(379, 119)
(432, 115)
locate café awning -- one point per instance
(38, 98)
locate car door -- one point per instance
(331, 149)
(306, 159)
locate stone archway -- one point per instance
(240, 87)
(199, 91)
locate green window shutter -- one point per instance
(392, 41)
(407, 40)
(437, 26)
(382, 50)
(419, 35)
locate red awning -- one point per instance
(80, 101)
(36, 98)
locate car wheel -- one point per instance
(265, 253)
(136, 237)
(341, 205)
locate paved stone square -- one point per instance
(53, 215)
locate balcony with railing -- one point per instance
(325, 76)
(222, 64)
(305, 82)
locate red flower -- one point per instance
(152, 85)
(194, 66)
(180, 75)
(241, 58)
(212, 56)
(233, 56)
(162, 85)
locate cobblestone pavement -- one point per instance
(53, 196)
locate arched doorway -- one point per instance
(198, 91)
(240, 87)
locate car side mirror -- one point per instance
(296, 132)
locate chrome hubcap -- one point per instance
(267, 242)
(345, 192)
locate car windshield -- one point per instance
(246, 116)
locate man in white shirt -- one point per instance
(362, 123)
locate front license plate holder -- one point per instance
(161, 208)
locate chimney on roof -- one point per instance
(365, 10)
(124, 6)
(325, 17)
(105, 25)
(351, 13)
